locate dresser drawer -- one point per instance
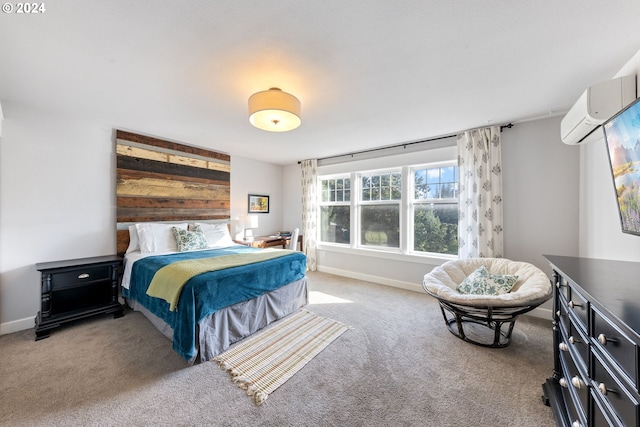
(614, 343)
(579, 347)
(563, 313)
(614, 394)
(79, 276)
(562, 284)
(578, 305)
(599, 416)
(576, 383)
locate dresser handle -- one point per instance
(573, 304)
(604, 340)
(576, 424)
(558, 313)
(558, 285)
(603, 389)
(83, 276)
(574, 341)
(563, 382)
(577, 382)
(563, 346)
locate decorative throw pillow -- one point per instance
(480, 282)
(189, 240)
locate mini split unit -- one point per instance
(596, 105)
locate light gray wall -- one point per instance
(292, 190)
(57, 200)
(254, 177)
(540, 187)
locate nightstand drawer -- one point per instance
(610, 339)
(79, 277)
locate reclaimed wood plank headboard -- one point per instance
(158, 180)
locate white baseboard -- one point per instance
(17, 325)
(539, 312)
(373, 279)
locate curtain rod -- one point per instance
(406, 144)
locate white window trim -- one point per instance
(411, 202)
(403, 253)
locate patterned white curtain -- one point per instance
(480, 197)
(310, 210)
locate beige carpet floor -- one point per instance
(398, 366)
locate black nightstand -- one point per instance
(75, 289)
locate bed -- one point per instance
(161, 184)
(231, 291)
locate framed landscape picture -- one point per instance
(258, 203)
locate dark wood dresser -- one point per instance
(596, 333)
(78, 288)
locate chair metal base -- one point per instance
(494, 324)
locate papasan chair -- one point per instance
(480, 305)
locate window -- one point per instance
(412, 210)
(381, 194)
(434, 209)
(335, 210)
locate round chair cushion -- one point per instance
(533, 287)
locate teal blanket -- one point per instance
(208, 292)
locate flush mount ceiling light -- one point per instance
(274, 110)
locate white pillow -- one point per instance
(217, 235)
(155, 237)
(134, 242)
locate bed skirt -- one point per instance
(218, 331)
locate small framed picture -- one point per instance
(258, 204)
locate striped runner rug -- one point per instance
(263, 362)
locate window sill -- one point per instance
(388, 254)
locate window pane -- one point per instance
(449, 174)
(449, 190)
(433, 176)
(366, 182)
(385, 194)
(396, 179)
(334, 224)
(420, 192)
(436, 228)
(380, 225)
(324, 191)
(375, 193)
(442, 183)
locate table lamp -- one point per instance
(250, 222)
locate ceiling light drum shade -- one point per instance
(274, 110)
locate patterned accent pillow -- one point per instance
(480, 282)
(189, 240)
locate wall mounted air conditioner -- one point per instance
(594, 107)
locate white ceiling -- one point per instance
(368, 73)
